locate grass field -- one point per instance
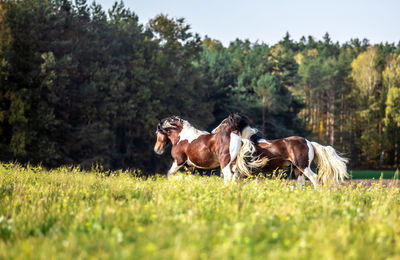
(69, 214)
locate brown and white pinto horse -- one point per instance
(194, 148)
(294, 149)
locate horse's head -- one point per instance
(222, 126)
(166, 128)
(235, 123)
(162, 141)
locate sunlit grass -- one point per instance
(69, 214)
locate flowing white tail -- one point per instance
(332, 167)
(247, 162)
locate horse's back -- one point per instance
(292, 148)
(294, 138)
(276, 152)
(296, 143)
(283, 147)
(287, 141)
(272, 148)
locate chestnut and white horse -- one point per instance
(296, 150)
(194, 148)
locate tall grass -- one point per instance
(69, 214)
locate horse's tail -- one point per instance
(331, 166)
(247, 160)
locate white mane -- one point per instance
(248, 132)
(189, 132)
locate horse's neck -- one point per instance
(190, 133)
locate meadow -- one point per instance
(72, 214)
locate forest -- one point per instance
(80, 85)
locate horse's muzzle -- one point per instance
(158, 151)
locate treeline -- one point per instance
(81, 85)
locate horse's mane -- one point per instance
(240, 121)
(166, 123)
(187, 125)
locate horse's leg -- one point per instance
(190, 169)
(307, 171)
(225, 164)
(303, 161)
(234, 147)
(226, 171)
(311, 175)
(235, 172)
(300, 179)
(174, 168)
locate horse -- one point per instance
(195, 148)
(294, 150)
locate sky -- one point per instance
(268, 21)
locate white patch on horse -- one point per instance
(234, 146)
(247, 132)
(310, 152)
(263, 141)
(307, 171)
(189, 133)
(174, 168)
(311, 175)
(301, 181)
(226, 171)
(190, 163)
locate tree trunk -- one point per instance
(341, 122)
(396, 148)
(332, 119)
(320, 119)
(396, 159)
(368, 140)
(328, 116)
(381, 159)
(311, 111)
(263, 102)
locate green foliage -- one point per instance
(86, 88)
(81, 85)
(365, 174)
(391, 76)
(258, 84)
(67, 213)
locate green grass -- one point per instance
(69, 214)
(370, 174)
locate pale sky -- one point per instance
(267, 21)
